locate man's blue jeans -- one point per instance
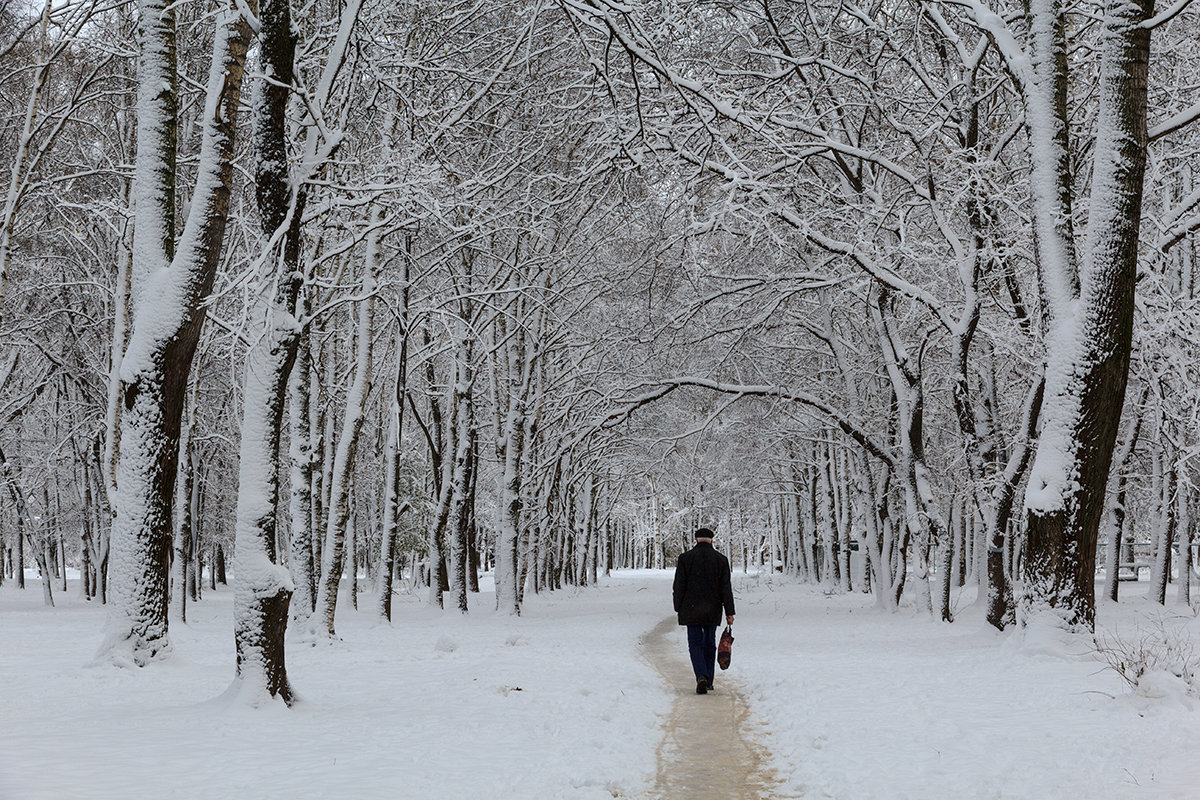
(702, 647)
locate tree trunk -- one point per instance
(1115, 520)
(1091, 331)
(262, 587)
(101, 519)
(462, 410)
(844, 515)
(1001, 608)
(339, 493)
(183, 524)
(41, 556)
(1164, 532)
(62, 563)
(169, 283)
(1186, 535)
(509, 523)
(947, 559)
(352, 553)
(319, 435)
(301, 451)
(393, 506)
(1116, 544)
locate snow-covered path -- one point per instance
(710, 748)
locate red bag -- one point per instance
(725, 648)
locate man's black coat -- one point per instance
(702, 586)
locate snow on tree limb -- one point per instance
(665, 387)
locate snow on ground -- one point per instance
(558, 704)
(555, 704)
(865, 704)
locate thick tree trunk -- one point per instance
(803, 562)
(262, 587)
(86, 584)
(100, 519)
(441, 443)
(920, 522)
(594, 531)
(112, 416)
(1091, 330)
(169, 284)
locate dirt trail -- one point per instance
(709, 750)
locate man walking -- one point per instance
(702, 588)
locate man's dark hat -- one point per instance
(704, 533)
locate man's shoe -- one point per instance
(710, 684)
(702, 686)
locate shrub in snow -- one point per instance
(1159, 654)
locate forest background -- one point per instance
(356, 295)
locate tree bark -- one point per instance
(156, 365)
(1089, 340)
